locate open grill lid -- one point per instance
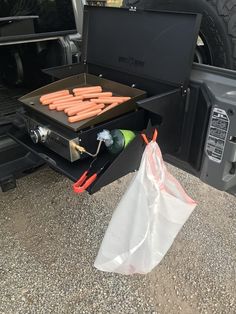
(156, 45)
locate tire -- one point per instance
(218, 28)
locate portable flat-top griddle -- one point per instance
(83, 80)
(146, 55)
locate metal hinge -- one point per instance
(184, 90)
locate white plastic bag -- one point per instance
(147, 220)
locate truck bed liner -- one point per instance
(9, 102)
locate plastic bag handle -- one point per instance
(154, 137)
(145, 138)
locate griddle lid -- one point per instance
(149, 44)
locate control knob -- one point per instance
(39, 134)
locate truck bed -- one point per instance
(9, 102)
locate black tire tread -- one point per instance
(227, 9)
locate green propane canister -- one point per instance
(116, 140)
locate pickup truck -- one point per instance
(33, 35)
(196, 118)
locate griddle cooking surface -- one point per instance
(58, 116)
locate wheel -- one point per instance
(217, 38)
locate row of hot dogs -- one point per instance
(84, 103)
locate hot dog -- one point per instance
(84, 116)
(90, 91)
(66, 105)
(59, 93)
(95, 95)
(96, 89)
(94, 107)
(80, 105)
(51, 100)
(61, 101)
(72, 111)
(52, 107)
(110, 100)
(109, 107)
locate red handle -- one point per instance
(81, 180)
(81, 185)
(90, 181)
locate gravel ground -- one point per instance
(49, 239)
